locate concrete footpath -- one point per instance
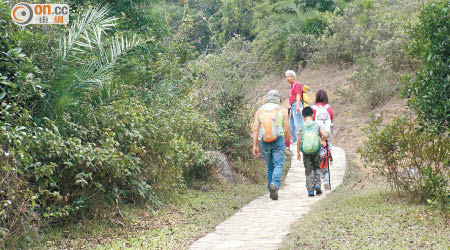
(263, 223)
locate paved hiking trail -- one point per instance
(263, 223)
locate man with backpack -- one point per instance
(271, 125)
(309, 144)
(295, 103)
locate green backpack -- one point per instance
(310, 139)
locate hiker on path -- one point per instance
(271, 125)
(309, 144)
(295, 103)
(323, 116)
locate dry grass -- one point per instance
(363, 214)
(348, 119)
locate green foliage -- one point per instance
(138, 16)
(223, 89)
(127, 141)
(413, 161)
(286, 32)
(370, 34)
(315, 25)
(429, 93)
(234, 18)
(170, 137)
(368, 28)
(436, 185)
(86, 58)
(226, 80)
(321, 5)
(20, 87)
(214, 23)
(372, 84)
(130, 154)
(367, 4)
(17, 199)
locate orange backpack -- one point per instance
(268, 121)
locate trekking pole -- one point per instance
(329, 177)
(329, 174)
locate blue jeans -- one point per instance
(295, 120)
(274, 155)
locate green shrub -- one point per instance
(346, 37)
(18, 217)
(20, 87)
(372, 84)
(225, 83)
(131, 153)
(321, 5)
(169, 138)
(370, 28)
(412, 160)
(233, 18)
(429, 93)
(126, 142)
(286, 33)
(84, 61)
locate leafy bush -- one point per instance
(20, 89)
(372, 84)
(429, 93)
(125, 142)
(286, 33)
(413, 161)
(132, 153)
(233, 18)
(169, 138)
(370, 28)
(85, 60)
(225, 83)
(226, 78)
(18, 218)
(321, 5)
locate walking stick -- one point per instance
(328, 159)
(329, 178)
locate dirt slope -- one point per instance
(348, 119)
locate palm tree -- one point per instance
(85, 60)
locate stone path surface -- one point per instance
(263, 223)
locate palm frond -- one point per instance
(87, 56)
(85, 31)
(96, 72)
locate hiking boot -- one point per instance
(273, 191)
(326, 186)
(318, 190)
(310, 193)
